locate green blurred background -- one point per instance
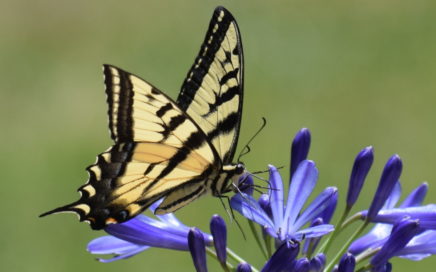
(356, 73)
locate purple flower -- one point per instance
(361, 167)
(300, 148)
(287, 219)
(265, 204)
(317, 263)
(421, 246)
(243, 267)
(197, 247)
(112, 245)
(391, 174)
(282, 259)
(425, 214)
(142, 232)
(402, 233)
(383, 268)
(327, 214)
(347, 263)
(219, 233)
(300, 265)
(311, 243)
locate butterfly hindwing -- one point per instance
(158, 150)
(213, 90)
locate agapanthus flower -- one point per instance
(243, 267)
(362, 165)
(420, 246)
(197, 247)
(286, 220)
(317, 263)
(142, 232)
(282, 259)
(300, 265)
(402, 233)
(297, 229)
(390, 175)
(346, 264)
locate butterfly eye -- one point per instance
(240, 168)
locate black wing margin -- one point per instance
(212, 92)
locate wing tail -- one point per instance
(78, 208)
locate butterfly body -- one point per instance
(176, 150)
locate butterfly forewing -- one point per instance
(212, 92)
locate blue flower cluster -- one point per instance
(296, 235)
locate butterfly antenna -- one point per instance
(246, 149)
(260, 178)
(265, 171)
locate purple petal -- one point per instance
(377, 235)
(125, 255)
(317, 263)
(301, 265)
(249, 208)
(420, 247)
(425, 214)
(361, 167)
(303, 182)
(276, 194)
(167, 224)
(219, 233)
(321, 202)
(387, 267)
(243, 267)
(167, 219)
(265, 204)
(110, 245)
(156, 204)
(197, 247)
(391, 174)
(328, 212)
(171, 224)
(347, 263)
(394, 197)
(312, 232)
(416, 197)
(300, 148)
(141, 233)
(311, 243)
(282, 259)
(372, 239)
(402, 233)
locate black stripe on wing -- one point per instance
(120, 101)
(205, 57)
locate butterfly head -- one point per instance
(239, 169)
(229, 178)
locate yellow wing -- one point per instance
(212, 92)
(159, 151)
